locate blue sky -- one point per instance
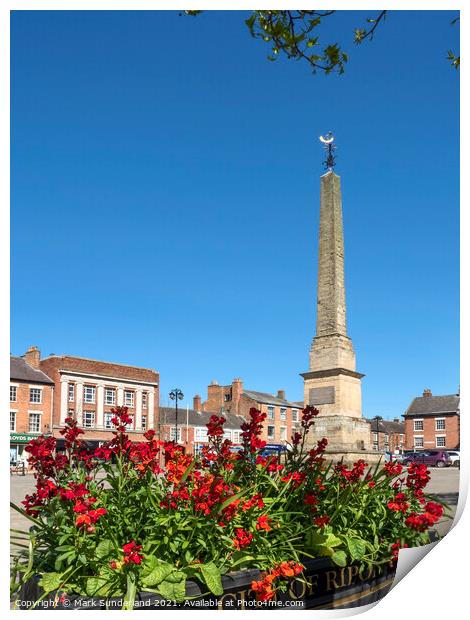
(165, 198)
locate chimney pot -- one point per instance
(427, 392)
(281, 394)
(33, 356)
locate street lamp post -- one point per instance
(176, 395)
(377, 419)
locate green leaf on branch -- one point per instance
(213, 578)
(339, 558)
(173, 591)
(104, 549)
(50, 581)
(356, 548)
(156, 571)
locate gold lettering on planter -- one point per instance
(331, 579)
(369, 575)
(312, 584)
(221, 601)
(341, 572)
(352, 574)
(242, 599)
(294, 592)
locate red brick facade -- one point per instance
(433, 422)
(390, 436)
(89, 389)
(31, 401)
(282, 416)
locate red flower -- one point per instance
(215, 426)
(263, 523)
(399, 504)
(322, 521)
(131, 555)
(393, 468)
(243, 538)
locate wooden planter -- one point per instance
(327, 587)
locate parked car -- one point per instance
(433, 458)
(454, 456)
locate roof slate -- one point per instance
(269, 399)
(387, 426)
(429, 405)
(196, 418)
(20, 370)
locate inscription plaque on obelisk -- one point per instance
(332, 383)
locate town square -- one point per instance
(246, 267)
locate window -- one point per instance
(440, 424)
(270, 412)
(35, 395)
(34, 422)
(419, 442)
(201, 434)
(295, 415)
(283, 413)
(88, 419)
(89, 394)
(13, 390)
(173, 434)
(128, 398)
(270, 432)
(227, 397)
(440, 442)
(13, 420)
(283, 433)
(107, 419)
(386, 439)
(144, 423)
(110, 396)
(144, 400)
(418, 425)
(71, 392)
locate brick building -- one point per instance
(31, 401)
(433, 422)
(283, 416)
(192, 429)
(87, 390)
(388, 435)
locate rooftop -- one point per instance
(269, 399)
(430, 405)
(198, 418)
(20, 370)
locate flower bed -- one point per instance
(132, 520)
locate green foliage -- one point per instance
(212, 577)
(296, 35)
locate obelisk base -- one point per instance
(345, 434)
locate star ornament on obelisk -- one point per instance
(332, 383)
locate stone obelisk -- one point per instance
(332, 383)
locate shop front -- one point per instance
(18, 443)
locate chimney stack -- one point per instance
(427, 392)
(32, 356)
(281, 394)
(197, 403)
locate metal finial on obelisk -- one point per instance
(327, 141)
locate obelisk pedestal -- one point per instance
(332, 383)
